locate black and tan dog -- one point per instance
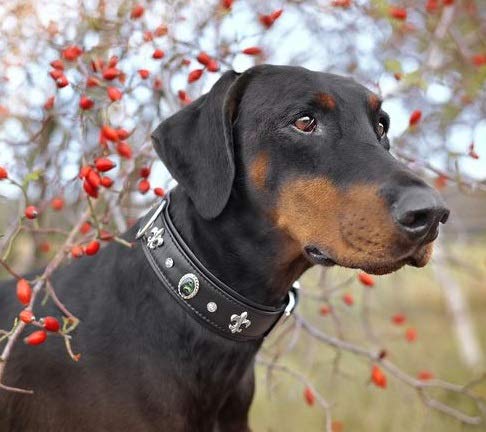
(279, 168)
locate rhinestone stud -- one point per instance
(212, 307)
(169, 262)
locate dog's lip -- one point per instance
(318, 256)
(415, 258)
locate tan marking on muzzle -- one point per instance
(353, 225)
(259, 170)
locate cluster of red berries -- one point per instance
(48, 323)
(144, 183)
(92, 177)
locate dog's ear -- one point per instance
(196, 145)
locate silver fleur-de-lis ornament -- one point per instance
(155, 238)
(237, 321)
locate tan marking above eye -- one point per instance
(327, 101)
(374, 102)
(259, 169)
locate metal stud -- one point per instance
(212, 307)
(169, 262)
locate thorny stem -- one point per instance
(41, 281)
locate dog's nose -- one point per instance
(418, 212)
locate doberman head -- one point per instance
(310, 151)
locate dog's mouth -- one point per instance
(317, 256)
(417, 257)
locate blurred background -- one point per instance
(86, 79)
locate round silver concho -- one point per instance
(169, 262)
(212, 307)
(188, 286)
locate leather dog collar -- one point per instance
(206, 298)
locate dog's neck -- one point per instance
(240, 247)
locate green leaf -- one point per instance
(393, 65)
(33, 176)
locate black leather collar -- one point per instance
(206, 298)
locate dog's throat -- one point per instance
(204, 297)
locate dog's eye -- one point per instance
(306, 124)
(380, 129)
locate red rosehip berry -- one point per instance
(92, 82)
(90, 189)
(161, 30)
(253, 51)
(411, 334)
(36, 338)
(86, 103)
(212, 66)
(49, 103)
(56, 74)
(114, 94)
(378, 378)
(93, 178)
(85, 228)
(158, 54)
(57, 204)
(92, 248)
(26, 316)
(398, 319)
(3, 173)
(137, 11)
(124, 150)
(77, 251)
(415, 117)
(398, 13)
(62, 81)
(144, 73)
(57, 64)
(203, 58)
(145, 172)
(425, 375)
(31, 212)
(24, 291)
(143, 186)
(122, 134)
(109, 133)
(227, 4)
(309, 396)
(348, 299)
(194, 75)
(159, 191)
(432, 5)
(366, 279)
(148, 36)
(106, 182)
(110, 74)
(104, 164)
(50, 324)
(479, 60)
(183, 97)
(72, 52)
(324, 310)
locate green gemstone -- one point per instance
(187, 288)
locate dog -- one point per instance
(279, 168)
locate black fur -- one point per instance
(146, 364)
